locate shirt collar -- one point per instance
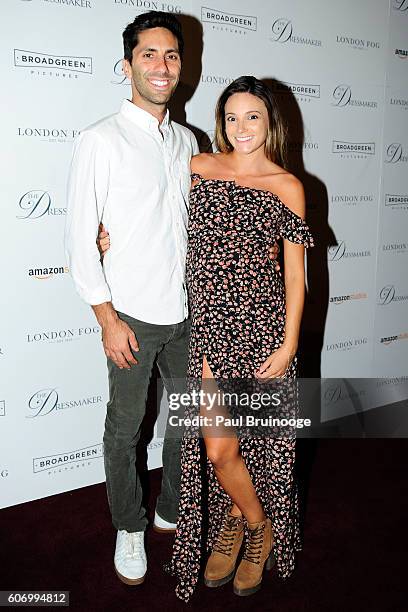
(142, 118)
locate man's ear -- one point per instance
(127, 69)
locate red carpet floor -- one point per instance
(354, 557)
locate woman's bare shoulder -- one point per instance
(290, 191)
(203, 163)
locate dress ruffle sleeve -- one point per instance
(293, 228)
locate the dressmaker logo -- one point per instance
(351, 199)
(43, 134)
(58, 336)
(395, 153)
(283, 31)
(37, 204)
(399, 103)
(400, 5)
(353, 150)
(357, 43)
(47, 272)
(401, 53)
(72, 3)
(45, 64)
(396, 201)
(2, 408)
(335, 394)
(341, 252)
(304, 92)
(218, 80)
(395, 247)
(229, 22)
(119, 77)
(387, 340)
(346, 344)
(70, 460)
(46, 401)
(389, 294)
(343, 299)
(142, 6)
(342, 97)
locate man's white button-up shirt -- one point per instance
(133, 175)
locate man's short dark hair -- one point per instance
(146, 21)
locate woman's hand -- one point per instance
(277, 364)
(103, 240)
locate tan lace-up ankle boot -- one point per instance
(221, 563)
(258, 552)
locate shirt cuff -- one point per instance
(97, 296)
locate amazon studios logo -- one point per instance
(396, 201)
(342, 299)
(230, 22)
(340, 251)
(66, 66)
(69, 460)
(356, 150)
(401, 53)
(388, 294)
(2, 408)
(36, 204)
(390, 339)
(395, 154)
(48, 134)
(45, 401)
(342, 97)
(57, 336)
(283, 32)
(46, 273)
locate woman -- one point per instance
(245, 325)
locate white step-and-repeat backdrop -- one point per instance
(341, 72)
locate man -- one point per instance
(131, 172)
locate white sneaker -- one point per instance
(130, 557)
(163, 526)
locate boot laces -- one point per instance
(227, 534)
(253, 549)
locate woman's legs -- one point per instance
(223, 452)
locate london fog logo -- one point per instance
(343, 299)
(229, 22)
(347, 344)
(389, 294)
(395, 247)
(73, 3)
(357, 43)
(57, 336)
(48, 272)
(219, 80)
(282, 31)
(395, 154)
(305, 92)
(387, 340)
(353, 150)
(149, 5)
(351, 199)
(400, 5)
(43, 134)
(37, 204)
(69, 460)
(342, 97)
(396, 201)
(2, 408)
(47, 401)
(340, 252)
(44, 64)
